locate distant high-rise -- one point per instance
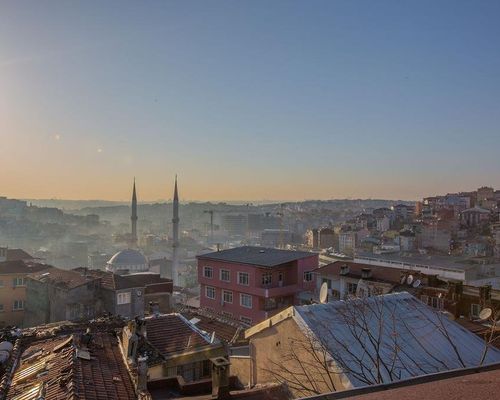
(133, 218)
(175, 241)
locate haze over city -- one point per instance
(248, 100)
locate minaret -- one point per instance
(133, 218)
(175, 242)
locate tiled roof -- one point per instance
(53, 367)
(18, 254)
(228, 332)
(386, 274)
(172, 333)
(20, 267)
(113, 281)
(67, 279)
(260, 256)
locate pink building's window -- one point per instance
(245, 300)
(243, 278)
(208, 272)
(227, 296)
(308, 276)
(209, 292)
(225, 275)
(267, 278)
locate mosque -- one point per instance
(131, 259)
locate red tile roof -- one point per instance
(20, 267)
(52, 365)
(18, 254)
(228, 332)
(67, 279)
(172, 333)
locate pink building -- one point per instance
(254, 283)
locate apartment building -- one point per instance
(253, 283)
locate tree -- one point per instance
(371, 341)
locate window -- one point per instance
(475, 309)
(308, 276)
(18, 305)
(225, 275)
(19, 281)
(245, 300)
(328, 282)
(1, 307)
(208, 272)
(246, 320)
(123, 298)
(351, 288)
(436, 302)
(227, 314)
(267, 278)
(243, 278)
(209, 292)
(227, 296)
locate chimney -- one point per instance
(142, 374)
(154, 308)
(220, 378)
(218, 246)
(366, 273)
(344, 269)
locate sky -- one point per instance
(248, 100)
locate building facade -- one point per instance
(252, 283)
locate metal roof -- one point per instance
(261, 256)
(426, 340)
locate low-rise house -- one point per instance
(54, 294)
(130, 296)
(177, 353)
(346, 344)
(13, 275)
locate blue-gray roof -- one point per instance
(261, 256)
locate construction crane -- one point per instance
(211, 212)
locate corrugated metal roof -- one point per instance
(410, 335)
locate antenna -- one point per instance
(409, 280)
(485, 313)
(417, 283)
(323, 293)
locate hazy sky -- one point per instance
(248, 99)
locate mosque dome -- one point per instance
(128, 259)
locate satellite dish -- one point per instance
(409, 280)
(403, 279)
(139, 293)
(323, 293)
(485, 313)
(417, 283)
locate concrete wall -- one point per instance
(271, 346)
(241, 367)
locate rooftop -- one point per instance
(385, 274)
(172, 333)
(68, 279)
(261, 256)
(18, 254)
(113, 281)
(20, 267)
(62, 368)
